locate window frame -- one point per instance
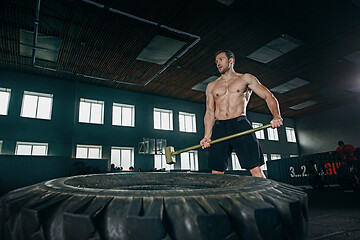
(235, 164)
(290, 134)
(274, 156)
(182, 122)
(260, 132)
(89, 115)
(264, 167)
(38, 96)
(87, 151)
(132, 153)
(271, 136)
(193, 166)
(163, 163)
(122, 106)
(6, 105)
(32, 144)
(167, 111)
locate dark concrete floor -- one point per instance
(334, 213)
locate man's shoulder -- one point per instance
(213, 83)
(349, 146)
(245, 76)
(210, 86)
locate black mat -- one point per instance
(334, 213)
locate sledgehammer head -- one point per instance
(170, 158)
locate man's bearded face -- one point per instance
(222, 63)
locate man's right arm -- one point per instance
(209, 118)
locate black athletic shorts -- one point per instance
(246, 147)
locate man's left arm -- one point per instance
(270, 99)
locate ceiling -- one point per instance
(100, 45)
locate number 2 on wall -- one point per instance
(303, 168)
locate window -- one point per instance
(88, 151)
(189, 161)
(235, 162)
(160, 162)
(4, 100)
(264, 167)
(28, 148)
(275, 156)
(294, 155)
(259, 134)
(290, 134)
(273, 134)
(163, 119)
(122, 157)
(1, 146)
(36, 105)
(123, 115)
(91, 111)
(187, 122)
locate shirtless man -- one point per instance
(226, 101)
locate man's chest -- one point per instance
(229, 87)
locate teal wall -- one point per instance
(20, 171)
(320, 132)
(63, 132)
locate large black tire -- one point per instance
(155, 206)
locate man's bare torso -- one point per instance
(231, 96)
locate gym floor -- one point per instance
(334, 213)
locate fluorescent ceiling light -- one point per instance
(201, 87)
(160, 50)
(356, 2)
(290, 85)
(354, 89)
(303, 105)
(47, 47)
(226, 2)
(275, 49)
(354, 57)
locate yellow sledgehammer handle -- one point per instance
(222, 139)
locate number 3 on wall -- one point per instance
(292, 172)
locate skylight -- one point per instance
(275, 49)
(201, 87)
(356, 2)
(354, 57)
(160, 50)
(354, 89)
(290, 85)
(47, 47)
(303, 105)
(226, 2)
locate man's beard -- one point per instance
(225, 69)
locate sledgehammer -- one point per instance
(170, 152)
